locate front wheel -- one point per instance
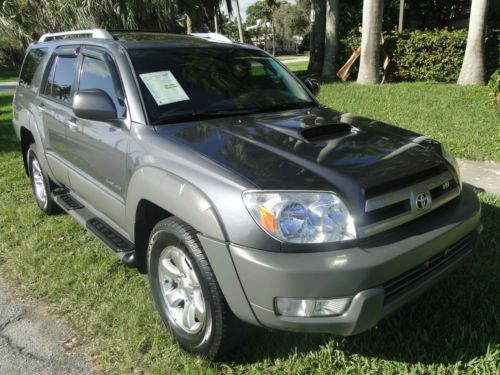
(186, 291)
(40, 183)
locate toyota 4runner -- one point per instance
(213, 169)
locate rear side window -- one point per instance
(31, 67)
(61, 78)
(95, 74)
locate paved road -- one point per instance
(33, 342)
(7, 86)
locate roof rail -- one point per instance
(213, 37)
(93, 33)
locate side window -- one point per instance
(95, 74)
(61, 78)
(31, 66)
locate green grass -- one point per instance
(291, 57)
(9, 75)
(298, 67)
(453, 329)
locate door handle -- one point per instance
(41, 108)
(72, 124)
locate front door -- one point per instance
(99, 149)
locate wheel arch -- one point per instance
(26, 140)
(154, 194)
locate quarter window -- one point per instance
(61, 78)
(31, 66)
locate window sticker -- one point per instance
(164, 87)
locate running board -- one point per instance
(68, 202)
(109, 236)
(122, 248)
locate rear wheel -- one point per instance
(186, 291)
(40, 183)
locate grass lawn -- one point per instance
(9, 75)
(454, 328)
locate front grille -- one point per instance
(403, 182)
(410, 279)
(386, 212)
(394, 208)
(441, 190)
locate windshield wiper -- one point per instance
(194, 116)
(287, 106)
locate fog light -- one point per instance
(310, 307)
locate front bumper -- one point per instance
(365, 272)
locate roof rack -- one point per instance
(93, 33)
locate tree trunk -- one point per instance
(216, 22)
(472, 72)
(273, 33)
(318, 19)
(189, 25)
(369, 65)
(331, 38)
(238, 20)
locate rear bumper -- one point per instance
(420, 248)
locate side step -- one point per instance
(109, 236)
(120, 246)
(123, 248)
(68, 202)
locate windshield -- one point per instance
(185, 84)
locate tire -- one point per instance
(40, 183)
(173, 247)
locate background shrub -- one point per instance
(431, 55)
(494, 85)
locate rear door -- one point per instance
(55, 103)
(99, 149)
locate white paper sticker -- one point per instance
(164, 87)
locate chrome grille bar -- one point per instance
(407, 195)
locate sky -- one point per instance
(244, 4)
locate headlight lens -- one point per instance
(453, 162)
(301, 217)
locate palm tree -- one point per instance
(272, 5)
(331, 38)
(238, 20)
(472, 72)
(318, 19)
(370, 42)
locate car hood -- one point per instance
(312, 149)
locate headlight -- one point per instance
(301, 217)
(452, 161)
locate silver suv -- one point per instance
(213, 169)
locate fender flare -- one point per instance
(175, 195)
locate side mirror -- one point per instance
(94, 105)
(312, 85)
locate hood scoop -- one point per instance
(326, 132)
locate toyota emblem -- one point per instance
(423, 201)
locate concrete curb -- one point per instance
(484, 176)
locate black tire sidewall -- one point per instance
(160, 239)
